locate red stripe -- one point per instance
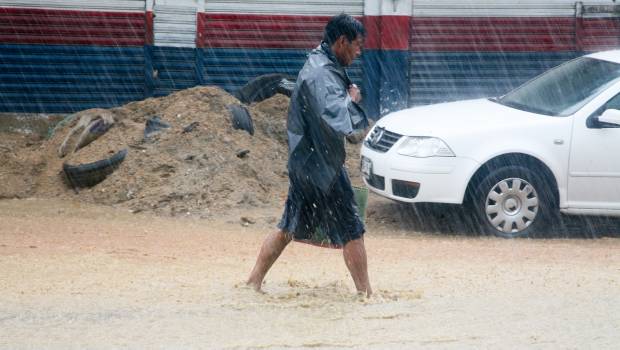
(27, 25)
(395, 32)
(265, 26)
(258, 44)
(485, 31)
(260, 31)
(46, 26)
(68, 13)
(601, 23)
(492, 34)
(281, 31)
(387, 32)
(241, 17)
(597, 34)
(493, 21)
(489, 47)
(373, 32)
(77, 20)
(149, 38)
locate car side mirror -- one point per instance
(608, 119)
(610, 116)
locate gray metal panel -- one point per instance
(175, 23)
(493, 8)
(106, 5)
(287, 7)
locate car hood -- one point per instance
(458, 118)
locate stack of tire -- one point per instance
(257, 90)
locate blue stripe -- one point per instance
(387, 81)
(448, 76)
(372, 83)
(149, 79)
(18, 78)
(176, 69)
(45, 78)
(68, 78)
(233, 68)
(43, 88)
(394, 84)
(57, 50)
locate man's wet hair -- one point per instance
(343, 24)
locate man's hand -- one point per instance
(355, 93)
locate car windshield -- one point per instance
(563, 90)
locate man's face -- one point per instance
(347, 51)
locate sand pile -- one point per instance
(20, 164)
(207, 171)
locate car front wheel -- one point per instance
(513, 202)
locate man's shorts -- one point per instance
(335, 213)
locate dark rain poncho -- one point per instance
(321, 201)
(321, 114)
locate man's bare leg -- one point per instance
(272, 247)
(354, 253)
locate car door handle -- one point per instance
(558, 142)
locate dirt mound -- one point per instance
(205, 171)
(20, 164)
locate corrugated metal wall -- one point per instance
(60, 79)
(175, 68)
(66, 55)
(598, 26)
(261, 31)
(462, 49)
(481, 34)
(64, 60)
(65, 27)
(174, 55)
(242, 39)
(231, 68)
(448, 76)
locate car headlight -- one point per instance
(422, 147)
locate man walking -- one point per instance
(322, 112)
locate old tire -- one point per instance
(265, 86)
(513, 201)
(241, 118)
(90, 174)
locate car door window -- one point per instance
(614, 103)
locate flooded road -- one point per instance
(79, 276)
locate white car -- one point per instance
(551, 144)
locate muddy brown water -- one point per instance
(77, 276)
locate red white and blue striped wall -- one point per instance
(67, 56)
(57, 60)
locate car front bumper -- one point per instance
(410, 179)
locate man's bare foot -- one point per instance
(364, 293)
(256, 286)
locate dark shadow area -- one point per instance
(448, 219)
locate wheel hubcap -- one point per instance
(511, 205)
